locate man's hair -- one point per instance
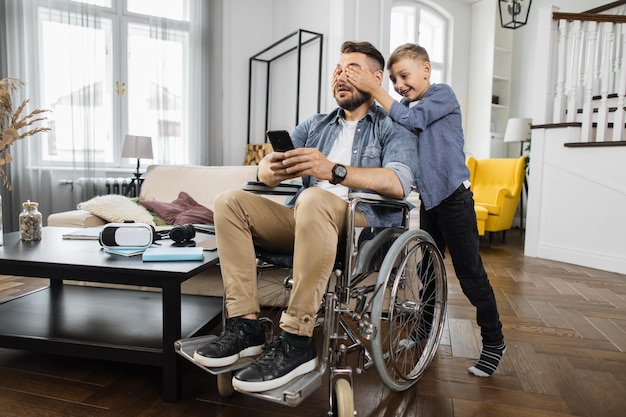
(365, 48)
(408, 50)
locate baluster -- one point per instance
(585, 134)
(597, 59)
(606, 29)
(618, 119)
(558, 113)
(615, 53)
(576, 71)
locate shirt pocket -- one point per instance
(371, 156)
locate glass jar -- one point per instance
(30, 221)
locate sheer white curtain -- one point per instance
(204, 149)
(30, 180)
(157, 67)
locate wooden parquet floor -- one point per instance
(565, 328)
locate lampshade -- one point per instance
(517, 130)
(137, 147)
(514, 13)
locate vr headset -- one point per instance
(142, 235)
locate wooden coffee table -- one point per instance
(119, 324)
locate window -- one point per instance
(110, 68)
(74, 91)
(425, 23)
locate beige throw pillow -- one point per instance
(117, 209)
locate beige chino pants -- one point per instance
(310, 231)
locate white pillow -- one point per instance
(116, 209)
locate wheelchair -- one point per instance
(386, 304)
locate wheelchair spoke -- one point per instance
(273, 292)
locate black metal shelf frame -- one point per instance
(304, 37)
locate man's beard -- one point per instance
(354, 101)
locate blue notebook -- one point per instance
(168, 253)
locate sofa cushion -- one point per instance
(203, 183)
(75, 218)
(117, 209)
(180, 211)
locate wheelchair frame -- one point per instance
(401, 317)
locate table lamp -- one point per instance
(518, 130)
(137, 147)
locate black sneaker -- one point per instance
(280, 363)
(238, 340)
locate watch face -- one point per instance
(340, 171)
(339, 174)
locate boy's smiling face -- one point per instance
(410, 77)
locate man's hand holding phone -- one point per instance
(287, 162)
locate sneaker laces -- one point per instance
(271, 354)
(230, 334)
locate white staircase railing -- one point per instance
(590, 73)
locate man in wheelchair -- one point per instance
(356, 147)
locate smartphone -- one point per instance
(280, 140)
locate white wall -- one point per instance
(246, 30)
(576, 202)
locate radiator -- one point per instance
(102, 186)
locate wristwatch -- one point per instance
(339, 174)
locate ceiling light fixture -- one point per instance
(514, 13)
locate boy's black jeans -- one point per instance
(452, 224)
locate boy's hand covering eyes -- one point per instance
(361, 78)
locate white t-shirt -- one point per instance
(341, 153)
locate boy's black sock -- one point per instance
(489, 360)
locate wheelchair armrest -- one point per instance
(280, 189)
(377, 198)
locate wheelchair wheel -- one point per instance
(225, 384)
(344, 399)
(274, 288)
(408, 310)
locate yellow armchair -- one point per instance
(497, 184)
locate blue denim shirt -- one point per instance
(378, 142)
(436, 120)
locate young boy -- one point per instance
(447, 213)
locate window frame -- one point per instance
(121, 20)
(444, 66)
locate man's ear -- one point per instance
(378, 74)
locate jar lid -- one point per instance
(30, 204)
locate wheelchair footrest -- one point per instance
(294, 392)
(187, 347)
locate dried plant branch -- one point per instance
(17, 113)
(11, 122)
(5, 180)
(11, 84)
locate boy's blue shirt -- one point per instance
(436, 120)
(378, 142)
